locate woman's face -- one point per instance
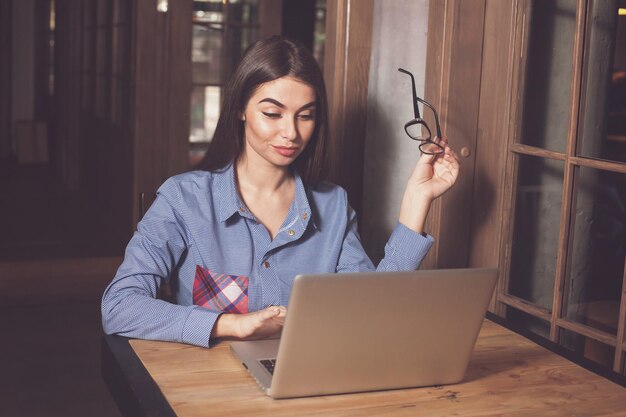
(279, 120)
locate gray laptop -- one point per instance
(372, 331)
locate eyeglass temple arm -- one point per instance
(416, 110)
(425, 103)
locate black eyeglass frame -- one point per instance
(427, 141)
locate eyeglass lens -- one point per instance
(418, 131)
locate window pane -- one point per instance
(245, 12)
(591, 349)
(599, 248)
(208, 11)
(238, 40)
(604, 115)
(205, 109)
(528, 322)
(536, 230)
(319, 38)
(206, 54)
(548, 73)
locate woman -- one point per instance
(230, 237)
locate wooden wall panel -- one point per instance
(179, 87)
(270, 19)
(64, 127)
(491, 152)
(453, 79)
(161, 77)
(6, 146)
(145, 73)
(346, 71)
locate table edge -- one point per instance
(132, 387)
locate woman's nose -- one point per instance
(289, 128)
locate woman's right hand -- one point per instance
(251, 326)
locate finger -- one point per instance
(277, 312)
(269, 313)
(427, 158)
(449, 152)
(454, 157)
(282, 311)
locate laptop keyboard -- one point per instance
(269, 364)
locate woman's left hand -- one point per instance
(433, 176)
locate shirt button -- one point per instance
(242, 210)
(305, 216)
(291, 232)
(266, 264)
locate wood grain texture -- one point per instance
(598, 164)
(587, 331)
(346, 72)
(495, 98)
(487, 215)
(508, 375)
(6, 147)
(270, 18)
(516, 65)
(565, 248)
(161, 82)
(453, 73)
(525, 306)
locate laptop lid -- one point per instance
(378, 330)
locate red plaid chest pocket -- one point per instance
(220, 292)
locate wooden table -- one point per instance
(508, 375)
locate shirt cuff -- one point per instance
(408, 248)
(198, 326)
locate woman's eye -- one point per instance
(272, 115)
(306, 117)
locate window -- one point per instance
(105, 59)
(566, 246)
(222, 30)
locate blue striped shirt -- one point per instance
(199, 219)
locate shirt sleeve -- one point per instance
(404, 250)
(129, 304)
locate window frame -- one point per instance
(500, 100)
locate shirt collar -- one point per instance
(225, 193)
(229, 201)
(305, 214)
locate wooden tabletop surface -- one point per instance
(508, 376)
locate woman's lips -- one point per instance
(286, 151)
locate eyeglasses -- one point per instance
(418, 130)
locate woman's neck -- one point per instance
(262, 179)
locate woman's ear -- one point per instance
(241, 116)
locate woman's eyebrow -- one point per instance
(274, 102)
(282, 106)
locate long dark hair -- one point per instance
(265, 61)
